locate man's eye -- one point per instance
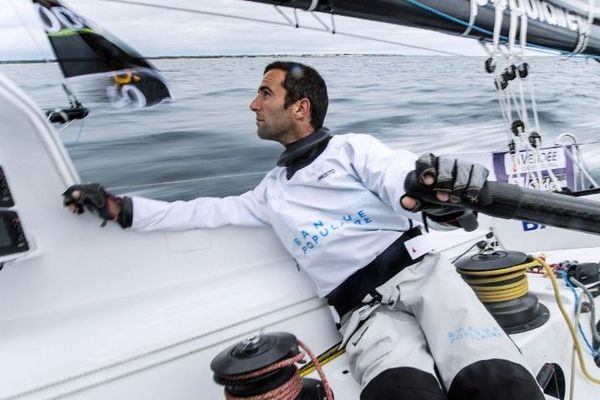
(266, 93)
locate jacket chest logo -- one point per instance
(326, 174)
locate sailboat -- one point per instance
(116, 72)
(129, 315)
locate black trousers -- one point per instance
(484, 380)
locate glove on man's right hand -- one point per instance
(93, 197)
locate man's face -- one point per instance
(272, 120)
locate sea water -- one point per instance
(204, 143)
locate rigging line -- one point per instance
(35, 42)
(535, 47)
(290, 22)
(207, 178)
(579, 162)
(585, 290)
(472, 16)
(321, 21)
(80, 131)
(523, 103)
(449, 53)
(578, 302)
(266, 21)
(64, 127)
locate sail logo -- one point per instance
(529, 161)
(56, 18)
(543, 11)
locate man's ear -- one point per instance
(302, 108)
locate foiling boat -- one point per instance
(94, 313)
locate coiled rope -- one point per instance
(291, 389)
(511, 283)
(498, 285)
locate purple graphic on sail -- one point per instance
(85, 52)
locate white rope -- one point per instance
(580, 161)
(518, 104)
(515, 13)
(533, 104)
(590, 22)
(327, 29)
(523, 32)
(472, 16)
(313, 6)
(290, 22)
(500, 6)
(504, 109)
(524, 113)
(584, 33)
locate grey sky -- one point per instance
(155, 32)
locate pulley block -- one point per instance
(510, 73)
(535, 139)
(500, 82)
(523, 70)
(517, 127)
(490, 65)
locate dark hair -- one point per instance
(303, 81)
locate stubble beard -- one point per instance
(274, 132)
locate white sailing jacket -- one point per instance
(334, 216)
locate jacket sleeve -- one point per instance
(248, 209)
(383, 172)
(381, 169)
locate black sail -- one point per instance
(85, 51)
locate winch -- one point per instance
(263, 367)
(499, 279)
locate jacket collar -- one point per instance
(302, 152)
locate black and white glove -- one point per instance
(452, 182)
(94, 198)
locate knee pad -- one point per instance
(403, 383)
(494, 379)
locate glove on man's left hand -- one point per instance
(93, 197)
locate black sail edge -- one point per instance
(83, 50)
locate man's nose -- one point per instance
(254, 104)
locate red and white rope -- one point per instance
(291, 389)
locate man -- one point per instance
(412, 328)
